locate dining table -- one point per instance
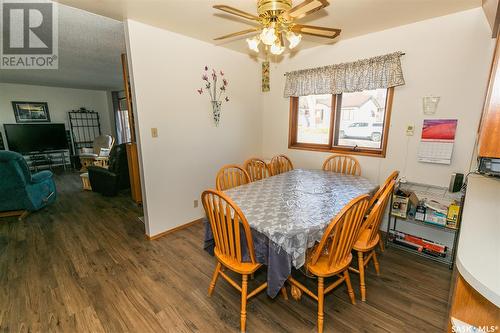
(288, 213)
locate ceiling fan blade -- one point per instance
(316, 31)
(239, 33)
(237, 12)
(305, 8)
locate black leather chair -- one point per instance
(113, 179)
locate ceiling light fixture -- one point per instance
(253, 43)
(293, 39)
(277, 49)
(268, 36)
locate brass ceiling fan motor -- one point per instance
(273, 8)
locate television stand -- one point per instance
(48, 159)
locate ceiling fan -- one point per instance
(277, 18)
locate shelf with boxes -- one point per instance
(431, 207)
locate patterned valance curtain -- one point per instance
(366, 74)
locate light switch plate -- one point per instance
(410, 130)
(154, 132)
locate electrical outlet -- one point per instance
(195, 204)
(154, 132)
(410, 130)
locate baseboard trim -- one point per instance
(167, 232)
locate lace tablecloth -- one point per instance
(294, 208)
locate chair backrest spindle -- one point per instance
(341, 234)
(375, 217)
(344, 164)
(230, 176)
(280, 164)
(226, 220)
(257, 169)
(393, 176)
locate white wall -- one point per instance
(447, 56)
(60, 101)
(182, 161)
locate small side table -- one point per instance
(85, 181)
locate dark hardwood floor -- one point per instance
(83, 265)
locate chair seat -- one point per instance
(363, 245)
(241, 268)
(321, 267)
(88, 155)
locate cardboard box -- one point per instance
(418, 244)
(403, 202)
(399, 206)
(452, 217)
(435, 217)
(436, 213)
(420, 212)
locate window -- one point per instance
(354, 123)
(313, 119)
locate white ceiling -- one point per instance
(89, 54)
(197, 18)
(90, 45)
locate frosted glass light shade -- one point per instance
(293, 39)
(268, 36)
(253, 44)
(277, 49)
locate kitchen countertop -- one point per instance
(478, 256)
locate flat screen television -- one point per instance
(27, 138)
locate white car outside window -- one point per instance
(365, 130)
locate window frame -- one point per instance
(332, 146)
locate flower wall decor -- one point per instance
(217, 92)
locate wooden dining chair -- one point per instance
(369, 237)
(393, 176)
(333, 254)
(231, 233)
(257, 169)
(344, 164)
(230, 176)
(280, 164)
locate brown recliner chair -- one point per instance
(108, 181)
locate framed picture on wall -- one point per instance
(31, 112)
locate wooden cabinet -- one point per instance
(471, 307)
(489, 139)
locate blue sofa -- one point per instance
(20, 191)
